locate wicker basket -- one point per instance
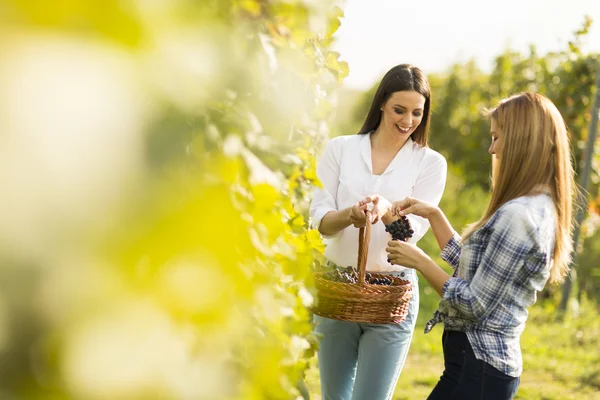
(361, 301)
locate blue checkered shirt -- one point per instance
(497, 272)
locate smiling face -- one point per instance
(403, 112)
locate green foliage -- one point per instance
(562, 351)
(567, 78)
(588, 266)
(196, 284)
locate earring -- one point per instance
(381, 108)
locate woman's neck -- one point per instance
(383, 140)
(540, 188)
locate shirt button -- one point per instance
(402, 274)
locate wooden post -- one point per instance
(582, 199)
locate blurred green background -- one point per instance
(156, 163)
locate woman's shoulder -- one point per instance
(340, 141)
(526, 211)
(527, 204)
(428, 155)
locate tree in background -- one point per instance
(156, 160)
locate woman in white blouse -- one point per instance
(387, 161)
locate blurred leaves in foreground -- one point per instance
(155, 158)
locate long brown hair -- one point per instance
(400, 78)
(535, 151)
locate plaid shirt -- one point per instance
(497, 273)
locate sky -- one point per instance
(375, 35)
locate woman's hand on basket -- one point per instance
(405, 254)
(381, 206)
(414, 206)
(357, 215)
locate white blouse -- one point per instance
(345, 170)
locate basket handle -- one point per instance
(364, 236)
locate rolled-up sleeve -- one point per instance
(324, 198)
(510, 242)
(451, 251)
(429, 187)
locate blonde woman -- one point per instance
(502, 261)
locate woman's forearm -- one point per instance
(441, 227)
(335, 221)
(434, 274)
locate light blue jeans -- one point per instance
(360, 361)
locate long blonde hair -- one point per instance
(535, 151)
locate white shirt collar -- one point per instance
(365, 151)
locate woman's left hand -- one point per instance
(405, 254)
(380, 206)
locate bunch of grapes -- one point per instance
(378, 279)
(350, 275)
(400, 229)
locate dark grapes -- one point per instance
(350, 275)
(400, 229)
(346, 275)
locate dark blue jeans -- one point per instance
(467, 378)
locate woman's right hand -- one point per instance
(413, 206)
(358, 218)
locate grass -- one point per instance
(561, 360)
